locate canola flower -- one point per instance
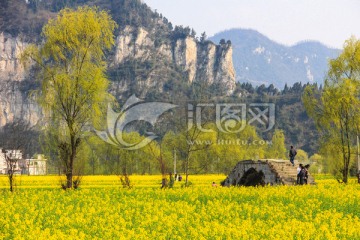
(101, 209)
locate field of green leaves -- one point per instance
(102, 209)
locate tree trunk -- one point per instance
(70, 166)
(69, 181)
(11, 182)
(69, 172)
(187, 171)
(348, 153)
(345, 151)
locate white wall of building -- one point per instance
(13, 154)
(37, 166)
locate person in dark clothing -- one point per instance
(292, 154)
(302, 175)
(306, 173)
(164, 183)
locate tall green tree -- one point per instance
(336, 109)
(277, 149)
(74, 87)
(302, 156)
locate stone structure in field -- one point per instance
(269, 171)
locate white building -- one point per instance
(36, 166)
(3, 164)
(14, 156)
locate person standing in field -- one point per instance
(164, 183)
(292, 154)
(302, 175)
(306, 173)
(298, 173)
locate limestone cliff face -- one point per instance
(14, 101)
(129, 45)
(185, 55)
(202, 62)
(205, 62)
(10, 51)
(225, 69)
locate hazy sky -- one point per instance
(285, 21)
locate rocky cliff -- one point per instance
(10, 51)
(200, 62)
(151, 58)
(185, 59)
(16, 103)
(15, 89)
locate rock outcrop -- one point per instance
(14, 89)
(16, 103)
(202, 62)
(10, 51)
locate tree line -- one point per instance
(335, 109)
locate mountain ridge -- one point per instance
(254, 31)
(260, 60)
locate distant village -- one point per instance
(13, 160)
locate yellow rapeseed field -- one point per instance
(102, 209)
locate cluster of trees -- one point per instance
(336, 110)
(17, 18)
(181, 32)
(291, 115)
(14, 136)
(195, 151)
(20, 135)
(263, 90)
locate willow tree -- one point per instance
(336, 109)
(74, 88)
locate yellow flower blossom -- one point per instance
(102, 209)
